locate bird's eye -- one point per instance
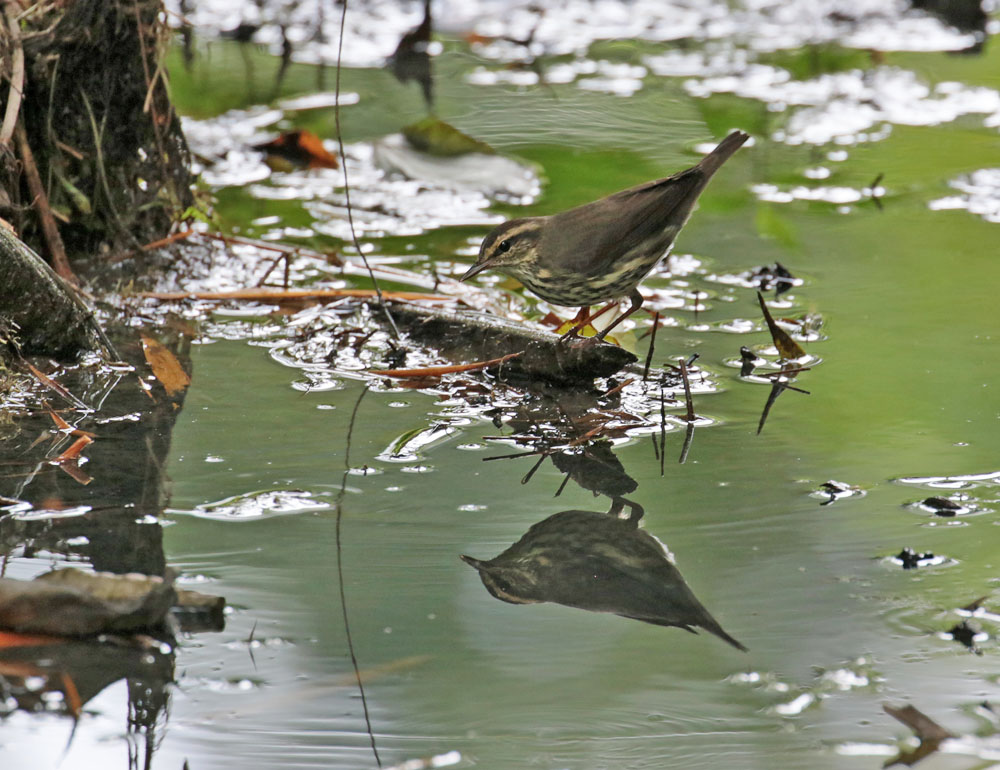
(503, 247)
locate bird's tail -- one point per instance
(714, 160)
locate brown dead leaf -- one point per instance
(787, 347)
(73, 453)
(75, 472)
(61, 424)
(64, 427)
(166, 368)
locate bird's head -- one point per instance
(508, 247)
(509, 584)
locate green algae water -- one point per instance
(872, 179)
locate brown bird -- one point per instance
(598, 562)
(600, 251)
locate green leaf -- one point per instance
(436, 137)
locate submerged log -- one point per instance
(50, 316)
(473, 336)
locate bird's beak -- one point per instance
(476, 269)
(472, 562)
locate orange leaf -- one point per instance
(301, 147)
(64, 427)
(14, 639)
(73, 453)
(166, 368)
(61, 424)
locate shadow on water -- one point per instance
(101, 509)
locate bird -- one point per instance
(599, 562)
(601, 251)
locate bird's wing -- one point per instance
(592, 238)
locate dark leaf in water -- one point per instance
(925, 728)
(836, 490)
(910, 559)
(783, 279)
(942, 506)
(965, 635)
(749, 361)
(777, 276)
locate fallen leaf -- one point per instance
(435, 137)
(787, 347)
(73, 453)
(302, 148)
(166, 368)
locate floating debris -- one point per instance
(910, 559)
(832, 491)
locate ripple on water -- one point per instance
(255, 505)
(960, 481)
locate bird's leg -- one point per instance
(636, 299)
(583, 318)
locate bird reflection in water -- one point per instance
(602, 562)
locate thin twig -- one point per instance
(347, 186)
(516, 454)
(618, 388)
(535, 467)
(41, 203)
(277, 295)
(652, 344)
(663, 428)
(168, 240)
(686, 446)
(16, 76)
(690, 416)
(340, 570)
